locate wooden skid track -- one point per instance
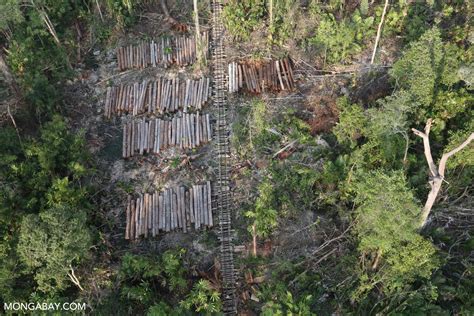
(224, 202)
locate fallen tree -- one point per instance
(436, 172)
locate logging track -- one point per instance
(222, 151)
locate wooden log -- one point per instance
(156, 142)
(196, 94)
(124, 141)
(197, 213)
(198, 129)
(121, 99)
(151, 136)
(168, 210)
(182, 198)
(125, 98)
(142, 136)
(203, 129)
(178, 131)
(277, 66)
(148, 97)
(169, 96)
(209, 203)
(146, 213)
(132, 139)
(190, 132)
(161, 212)
(186, 96)
(174, 208)
(187, 210)
(176, 97)
(150, 206)
(191, 206)
(158, 218)
(193, 130)
(127, 220)
(289, 71)
(201, 205)
(164, 91)
(139, 222)
(152, 215)
(172, 95)
(170, 131)
(178, 208)
(284, 74)
(132, 220)
(208, 83)
(240, 77)
(156, 96)
(229, 71)
(202, 215)
(173, 131)
(137, 218)
(234, 77)
(164, 133)
(184, 134)
(203, 201)
(208, 124)
(200, 93)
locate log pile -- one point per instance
(185, 130)
(159, 96)
(275, 75)
(176, 208)
(179, 50)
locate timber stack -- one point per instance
(275, 75)
(165, 52)
(173, 209)
(185, 131)
(157, 96)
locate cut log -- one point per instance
(191, 206)
(127, 220)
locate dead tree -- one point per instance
(379, 32)
(199, 48)
(436, 172)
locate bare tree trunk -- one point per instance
(198, 34)
(379, 31)
(270, 12)
(254, 239)
(437, 173)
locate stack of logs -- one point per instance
(160, 96)
(180, 50)
(185, 131)
(172, 209)
(275, 75)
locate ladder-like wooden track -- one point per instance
(222, 152)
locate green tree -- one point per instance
(426, 68)
(265, 215)
(387, 218)
(51, 242)
(203, 299)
